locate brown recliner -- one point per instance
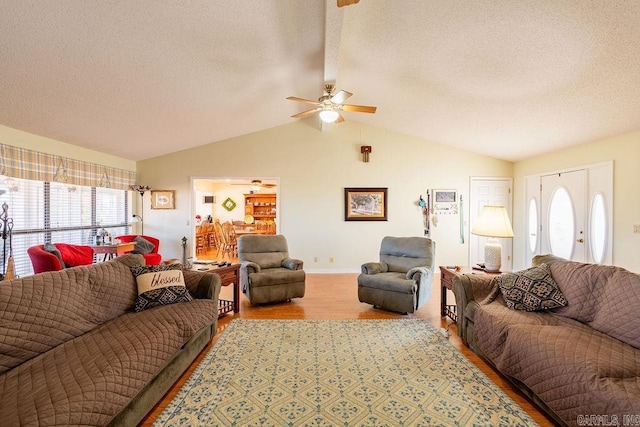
(267, 273)
(403, 279)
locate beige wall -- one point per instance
(624, 150)
(30, 141)
(314, 168)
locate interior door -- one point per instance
(492, 192)
(563, 215)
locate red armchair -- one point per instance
(153, 257)
(72, 255)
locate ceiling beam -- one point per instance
(333, 17)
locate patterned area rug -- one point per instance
(344, 372)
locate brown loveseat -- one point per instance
(580, 362)
(74, 352)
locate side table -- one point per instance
(229, 275)
(446, 282)
(111, 251)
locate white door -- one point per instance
(492, 192)
(563, 215)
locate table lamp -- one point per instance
(493, 222)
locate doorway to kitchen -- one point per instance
(224, 208)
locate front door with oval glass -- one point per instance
(568, 213)
(563, 215)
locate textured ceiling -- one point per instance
(138, 79)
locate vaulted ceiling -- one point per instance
(138, 79)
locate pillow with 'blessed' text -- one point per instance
(159, 285)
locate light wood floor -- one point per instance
(334, 296)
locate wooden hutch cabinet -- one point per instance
(262, 207)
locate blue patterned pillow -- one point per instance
(159, 285)
(531, 290)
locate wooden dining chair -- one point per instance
(221, 239)
(200, 241)
(232, 239)
(261, 225)
(212, 240)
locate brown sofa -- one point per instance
(576, 362)
(74, 352)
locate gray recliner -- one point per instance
(402, 280)
(267, 273)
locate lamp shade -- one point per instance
(493, 221)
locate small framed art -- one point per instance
(365, 204)
(445, 201)
(163, 199)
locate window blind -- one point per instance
(55, 212)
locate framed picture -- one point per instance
(163, 199)
(365, 204)
(445, 196)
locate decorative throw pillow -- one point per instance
(531, 290)
(75, 255)
(143, 246)
(48, 247)
(159, 285)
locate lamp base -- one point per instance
(492, 255)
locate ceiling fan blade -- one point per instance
(358, 108)
(340, 119)
(340, 97)
(308, 101)
(306, 113)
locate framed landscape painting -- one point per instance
(365, 204)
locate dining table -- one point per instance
(245, 231)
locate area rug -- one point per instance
(338, 373)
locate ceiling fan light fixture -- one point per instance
(256, 185)
(329, 115)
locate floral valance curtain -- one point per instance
(21, 163)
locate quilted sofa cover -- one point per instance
(575, 361)
(73, 351)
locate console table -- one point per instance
(446, 282)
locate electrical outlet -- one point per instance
(315, 259)
(636, 228)
(331, 260)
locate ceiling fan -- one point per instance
(256, 183)
(329, 105)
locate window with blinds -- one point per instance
(53, 212)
